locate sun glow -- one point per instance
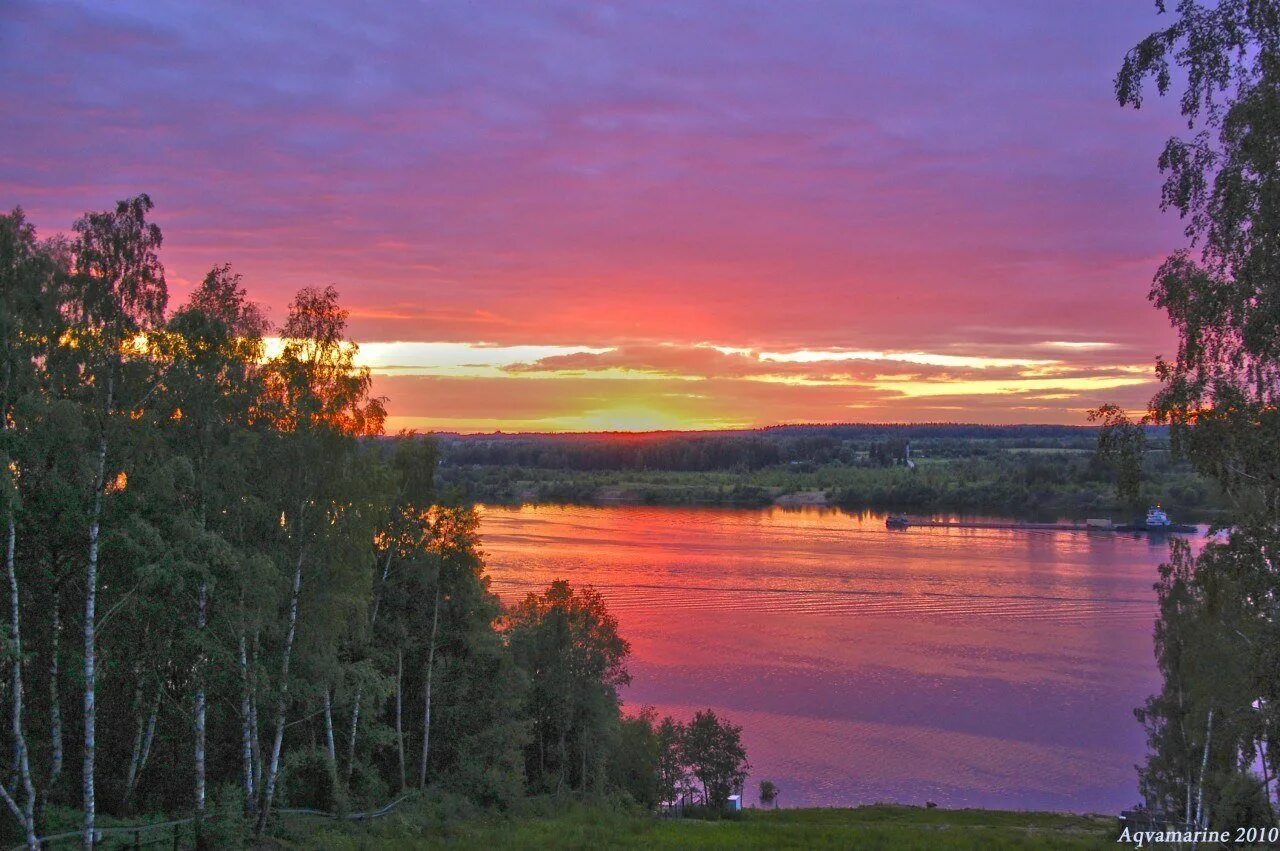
(665, 385)
(625, 418)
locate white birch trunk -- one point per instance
(377, 597)
(15, 624)
(150, 736)
(355, 725)
(202, 614)
(136, 756)
(400, 714)
(269, 786)
(141, 742)
(19, 737)
(246, 728)
(90, 639)
(426, 703)
(10, 803)
(253, 721)
(1204, 767)
(1266, 777)
(355, 707)
(55, 697)
(330, 749)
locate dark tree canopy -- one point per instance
(1213, 724)
(228, 592)
(1222, 293)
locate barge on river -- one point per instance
(1156, 522)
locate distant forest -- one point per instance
(1042, 470)
(871, 444)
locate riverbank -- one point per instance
(1046, 485)
(871, 827)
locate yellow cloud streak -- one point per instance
(985, 387)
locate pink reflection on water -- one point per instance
(973, 667)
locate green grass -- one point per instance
(583, 827)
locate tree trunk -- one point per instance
(90, 639)
(131, 775)
(55, 698)
(282, 706)
(355, 707)
(141, 742)
(355, 725)
(150, 736)
(19, 737)
(202, 615)
(377, 597)
(330, 749)
(400, 714)
(11, 803)
(246, 728)
(257, 743)
(426, 704)
(1266, 777)
(562, 763)
(1191, 783)
(1191, 788)
(1204, 767)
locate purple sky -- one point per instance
(646, 214)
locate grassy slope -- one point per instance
(871, 827)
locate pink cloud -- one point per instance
(944, 177)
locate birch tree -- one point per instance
(26, 274)
(1220, 396)
(119, 292)
(320, 401)
(214, 345)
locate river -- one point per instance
(971, 667)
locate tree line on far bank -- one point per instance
(223, 596)
(1049, 483)
(746, 451)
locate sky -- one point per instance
(558, 216)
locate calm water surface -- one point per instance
(967, 667)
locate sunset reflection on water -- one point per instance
(971, 667)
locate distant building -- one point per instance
(735, 803)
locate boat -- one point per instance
(1157, 520)
(897, 521)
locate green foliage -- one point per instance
(1218, 637)
(311, 782)
(966, 475)
(768, 793)
(284, 609)
(1122, 445)
(635, 764)
(227, 826)
(712, 750)
(568, 645)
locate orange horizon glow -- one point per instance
(550, 217)
(698, 387)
